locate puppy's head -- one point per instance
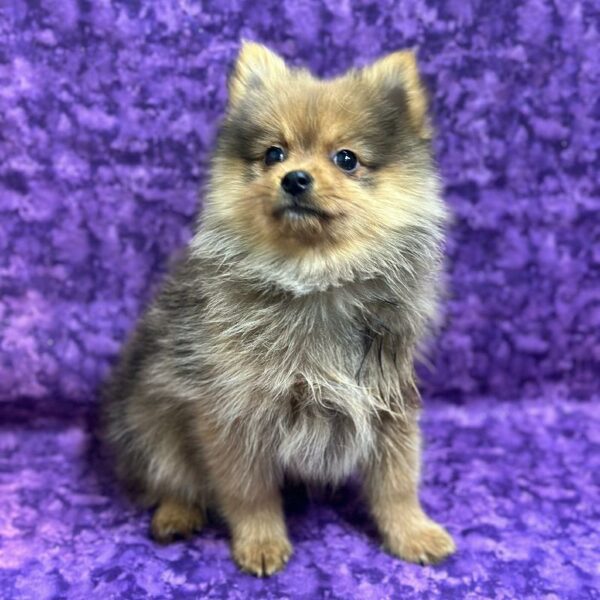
(322, 173)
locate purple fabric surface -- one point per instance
(508, 483)
(108, 112)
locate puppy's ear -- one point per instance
(398, 75)
(255, 65)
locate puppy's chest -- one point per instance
(321, 440)
(324, 416)
(307, 336)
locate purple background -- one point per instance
(108, 113)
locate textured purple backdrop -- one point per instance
(108, 112)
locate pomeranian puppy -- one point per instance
(283, 342)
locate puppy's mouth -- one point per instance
(300, 211)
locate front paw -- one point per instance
(262, 557)
(423, 542)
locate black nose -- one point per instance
(296, 182)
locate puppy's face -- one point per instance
(322, 169)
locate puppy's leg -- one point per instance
(392, 481)
(248, 496)
(259, 540)
(175, 519)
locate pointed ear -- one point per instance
(400, 70)
(255, 64)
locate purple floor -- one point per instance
(108, 113)
(516, 485)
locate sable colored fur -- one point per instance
(283, 342)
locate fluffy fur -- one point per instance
(284, 344)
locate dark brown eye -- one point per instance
(273, 155)
(346, 160)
